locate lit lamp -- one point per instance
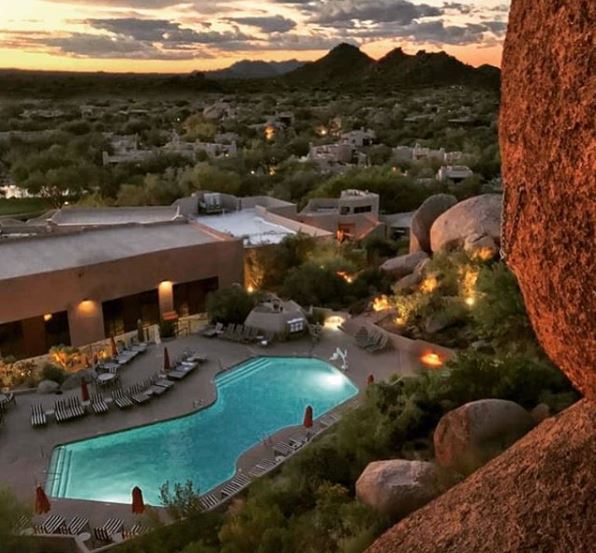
(47, 317)
(431, 359)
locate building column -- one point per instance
(165, 292)
(85, 321)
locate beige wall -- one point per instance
(32, 296)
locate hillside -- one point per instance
(344, 64)
(347, 65)
(255, 69)
(53, 84)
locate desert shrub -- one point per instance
(53, 372)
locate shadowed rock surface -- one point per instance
(478, 217)
(397, 487)
(549, 161)
(469, 436)
(538, 496)
(423, 220)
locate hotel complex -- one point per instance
(78, 275)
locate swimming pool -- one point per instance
(254, 400)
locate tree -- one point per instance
(230, 305)
(311, 284)
(183, 502)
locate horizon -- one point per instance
(177, 37)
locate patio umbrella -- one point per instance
(138, 505)
(42, 503)
(140, 331)
(113, 347)
(308, 417)
(84, 390)
(166, 360)
(371, 379)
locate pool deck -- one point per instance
(25, 452)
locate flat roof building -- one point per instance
(78, 287)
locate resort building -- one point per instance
(354, 215)
(454, 173)
(89, 279)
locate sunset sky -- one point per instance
(181, 36)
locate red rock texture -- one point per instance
(548, 148)
(538, 496)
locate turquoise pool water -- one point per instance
(254, 400)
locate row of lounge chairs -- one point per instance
(68, 409)
(38, 416)
(370, 340)
(238, 333)
(281, 449)
(58, 524)
(125, 356)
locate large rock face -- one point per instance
(537, 496)
(423, 220)
(403, 265)
(478, 217)
(549, 158)
(397, 487)
(474, 433)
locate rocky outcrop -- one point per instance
(549, 155)
(536, 496)
(407, 283)
(397, 487)
(47, 387)
(474, 433)
(477, 218)
(423, 220)
(403, 264)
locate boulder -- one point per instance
(540, 412)
(74, 380)
(483, 246)
(547, 138)
(475, 219)
(423, 219)
(403, 265)
(474, 433)
(537, 496)
(397, 487)
(440, 320)
(408, 282)
(47, 387)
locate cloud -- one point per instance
(85, 45)
(402, 12)
(163, 31)
(267, 24)
(136, 4)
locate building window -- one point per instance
(296, 325)
(189, 297)
(344, 210)
(363, 209)
(11, 340)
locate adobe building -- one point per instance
(78, 285)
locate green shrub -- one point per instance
(53, 372)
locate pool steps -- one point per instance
(240, 373)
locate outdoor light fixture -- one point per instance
(47, 317)
(431, 359)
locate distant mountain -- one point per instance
(249, 69)
(345, 63)
(348, 65)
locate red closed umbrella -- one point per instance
(84, 390)
(138, 505)
(42, 503)
(308, 417)
(166, 360)
(371, 379)
(113, 347)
